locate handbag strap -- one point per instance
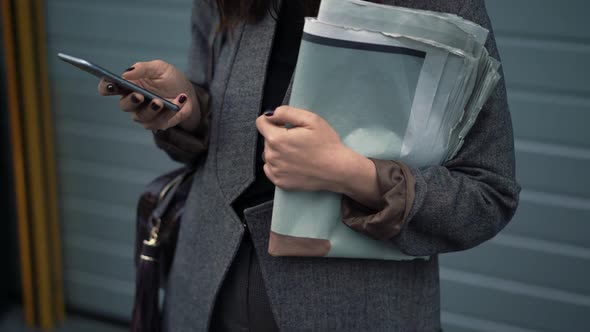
(164, 199)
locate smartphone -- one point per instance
(100, 72)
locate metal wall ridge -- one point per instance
(551, 96)
(96, 207)
(515, 287)
(553, 149)
(554, 199)
(549, 247)
(92, 280)
(91, 168)
(478, 324)
(111, 133)
(543, 40)
(99, 246)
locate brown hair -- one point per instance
(232, 12)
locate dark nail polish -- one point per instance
(130, 69)
(134, 99)
(269, 113)
(110, 88)
(182, 99)
(155, 106)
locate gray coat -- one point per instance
(457, 206)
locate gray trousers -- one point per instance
(242, 303)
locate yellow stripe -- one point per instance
(33, 143)
(18, 164)
(50, 169)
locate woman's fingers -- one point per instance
(270, 174)
(268, 130)
(160, 121)
(106, 88)
(165, 80)
(132, 102)
(142, 112)
(292, 116)
(156, 105)
(146, 70)
(140, 70)
(153, 116)
(185, 111)
(147, 118)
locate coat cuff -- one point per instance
(182, 146)
(397, 185)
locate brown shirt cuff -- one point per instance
(397, 186)
(183, 146)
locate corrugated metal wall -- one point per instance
(532, 277)
(535, 274)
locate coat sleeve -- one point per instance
(188, 147)
(470, 198)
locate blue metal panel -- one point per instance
(534, 275)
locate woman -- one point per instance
(222, 278)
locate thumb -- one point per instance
(145, 70)
(291, 116)
(185, 105)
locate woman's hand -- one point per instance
(309, 156)
(164, 80)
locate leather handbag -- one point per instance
(159, 212)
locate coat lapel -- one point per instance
(237, 134)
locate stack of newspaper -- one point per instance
(396, 84)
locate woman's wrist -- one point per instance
(357, 179)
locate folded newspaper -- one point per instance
(396, 84)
